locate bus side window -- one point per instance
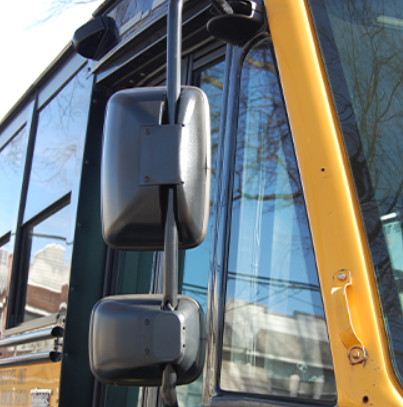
(12, 159)
(50, 209)
(275, 339)
(49, 265)
(59, 144)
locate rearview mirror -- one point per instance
(132, 339)
(155, 187)
(142, 155)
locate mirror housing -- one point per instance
(142, 156)
(95, 38)
(132, 339)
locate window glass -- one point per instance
(275, 339)
(59, 145)
(49, 267)
(361, 43)
(6, 259)
(196, 264)
(12, 160)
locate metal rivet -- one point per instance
(342, 276)
(148, 131)
(147, 351)
(146, 179)
(147, 322)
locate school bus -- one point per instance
(300, 274)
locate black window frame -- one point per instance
(51, 87)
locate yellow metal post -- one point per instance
(335, 220)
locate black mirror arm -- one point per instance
(174, 56)
(169, 387)
(170, 265)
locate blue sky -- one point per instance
(28, 48)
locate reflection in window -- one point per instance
(59, 145)
(197, 260)
(275, 339)
(49, 268)
(6, 258)
(12, 160)
(361, 42)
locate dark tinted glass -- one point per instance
(49, 268)
(275, 335)
(12, 160)
(361, 43)
(59, 145)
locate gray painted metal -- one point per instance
(133, 213)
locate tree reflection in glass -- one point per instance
(12, 160)
(361, 42)
(275, 336)
(196, 265)
(58, 145)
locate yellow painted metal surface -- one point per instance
(17, 382)
(336, 225)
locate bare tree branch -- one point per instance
(57, 7)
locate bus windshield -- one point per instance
(361, 45)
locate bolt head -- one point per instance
(355, 353)
(146, 179)
(342, 276)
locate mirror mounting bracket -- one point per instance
(159, 162)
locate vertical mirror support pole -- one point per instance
(170, 265)
(174, 57)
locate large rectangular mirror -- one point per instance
(143, 156)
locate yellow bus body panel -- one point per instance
(17, 382)
(335, 220)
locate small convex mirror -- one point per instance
(132, 339)
(142, 156)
